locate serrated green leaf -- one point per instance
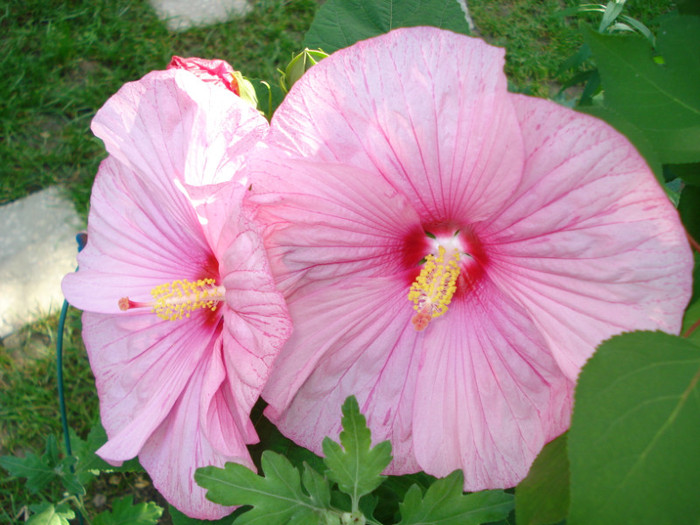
(48, 514)
(661, 100)
(317, 486)
(633, 444)
(38, 471)
(276, 498)
(341, 23)
(542, 498)
(444, 503)
(393, 490)
(356, 466)
(124, 512)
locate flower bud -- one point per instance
(299, 65)
(245, 89)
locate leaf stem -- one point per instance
(693, 243)
(692, 328)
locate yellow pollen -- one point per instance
(172, 301)
(432, 291)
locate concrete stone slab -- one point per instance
(37, 248)
(183, 14)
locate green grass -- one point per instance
(60, 60)
(538, 39)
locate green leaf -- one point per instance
(341, 23)
(392, 492)
(276, 498)
(47, 514)
(269, 96)
(317, 486)
(39, 471)
(357, 466)
(444, 503)
(124, 512)
(661, 100)
(633, 444)
(691, 320)
(542, 498)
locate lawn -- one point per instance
(61, 60)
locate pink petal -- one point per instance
(356, 339)
(224, 412)
(330, 225)
(489, 394)
(138, 238)
(589, 244)
(179, 447)
(141, 366)
(257, 325)
(441, 131)
(170, 125)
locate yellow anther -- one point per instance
(174, 300)
(432, 291)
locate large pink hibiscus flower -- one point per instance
(182, 319)
(453, 253)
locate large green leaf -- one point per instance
(356, 466)
(663, 100)
(542, 498)
(634, 451)
(341, 23)
(445, 504)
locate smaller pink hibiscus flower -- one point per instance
(182, 318)
(452, 253)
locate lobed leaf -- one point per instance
(444, 503)
(48, 514)
(125, 512)
(276, 497)
(356, 466)
(38, 471)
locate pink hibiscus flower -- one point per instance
(182, 318)
(453, 253)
